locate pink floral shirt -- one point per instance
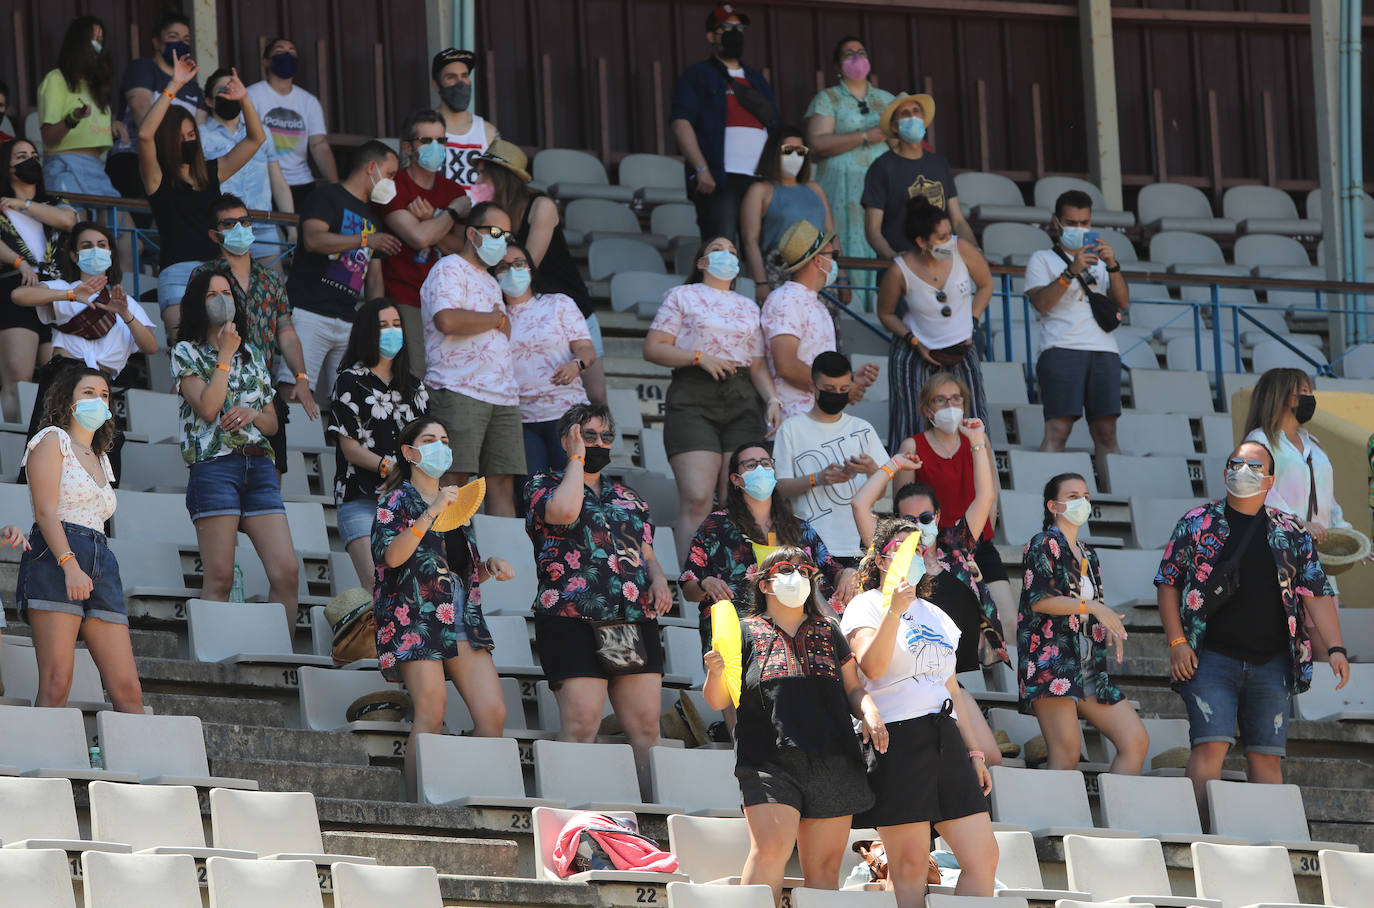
(719, 322)
(478, 365)
(796, 310)
(541, 331)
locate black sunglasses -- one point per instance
(226, 223)
(590, 436)
(863, 106)
(1235, 463)
(941, 297)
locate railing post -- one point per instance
(1006, 314)
(1216, 346)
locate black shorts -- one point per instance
(926, 775)
(989, 561)
(13, 315)
(819, 786)
(567, 649)
(278, 438)
(1077, 383)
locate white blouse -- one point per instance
(80, 500)
(1294, 472)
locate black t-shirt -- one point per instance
(792, 692)
(955, 599)
(558, 272)
(1253, 625)
(182, 215)
(893, 180)
(332, 285)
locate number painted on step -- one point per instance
(398, 747)
(646, 895)
(75, 864)
(520, 822)
(291, 677)
(787, 900)
(303, 618)
(201, 875)
(325, 878)
(1308, 863)
(179, 611)
(322, 572)
(197, 566)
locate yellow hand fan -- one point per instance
(460, 512)
(763, 551)
(725, 639)
(897, 571)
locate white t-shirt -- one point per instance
(460, 165)
(922, 656)
(743, 144)
(111, 352)
(1070, 324)
(805, 445)
(291, 119)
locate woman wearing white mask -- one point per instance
(226, 417)
(721, 394)
(68, 578)
(934, 772)
(783, 195)
(1067, 638)
(930, 299)
(798, 760)
(551, 348)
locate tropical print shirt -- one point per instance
(594, 567)
(954, 548)
(43, 260)
(250, 385)
(720, 550)
(264, 302)
(372, 413)
(1048, 645)
(1194, 549)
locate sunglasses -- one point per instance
(796, 149)
(732, 27)
(787, 567)
(746, 465)
(425, 140)
(925, 517)
(1235, 463)
(942, 297)
(590, 437)
(863, 107)
(226, 223)
(496, 233)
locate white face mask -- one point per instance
(1077, 511)
(792, 164)
(383, 191)
(945, 250)
(791, 589)
(948, 419)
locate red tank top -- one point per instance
(951, 478)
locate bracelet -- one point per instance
(1082, 607)
(170, 95)
(1332, 650)
(71, 294)
(362, 241)
(1177, 641)
(888, 469)
(580, 459)
(500, 326)
(978, 447)
(812, 480)
(979, 754)
(383, 467)
(1063, 281)
(222, 367)
(18, 260)
(419, 533)
(301, 376)
(129, 320)
(696, 360)
(65, 558)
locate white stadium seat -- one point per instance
(1124, 869)
(491, 775)
(37, 879)
(590, 777)
(277, 825)
(655, 178)
(993, 197)
(161, 750)
(1018, 867)
(548, 822)
(1263, 815)
(137, 880)
(1244, 875)
(690, 895)
(1159, 807)
(41, 813)
(243, 633)
(569, 174)
(1347, 878)
(1048, 189)
(1265, 209)
(1174, 206)
(505, 537)
(262, 884)
(1048, 802)
(152, 819)
(364, 886)
(49, 743)
(699, 780)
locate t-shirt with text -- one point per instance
(332, 285)
(805, 445)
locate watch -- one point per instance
(581, 366)
(1113, 269)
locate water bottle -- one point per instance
(97, 761)
(236, 591)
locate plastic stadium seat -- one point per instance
(1003, 383)
(1322, 701)
(587, 219)
(161, 750)
(682, 649)
(624, 404)
(243, 633)
(1018, 868)
(1368, 255)
(1347, 878)
(1048, 189)
(1268, 255)
(1048, 802)
(1163, 808)
(1359, 363)
(28, 398)
(699, 780)
(153, 468)
(39, 878)
(505, 536)
(1153, 518)
(993, 197)
(1264, 815)
(1180, 355)
(1271, 354)
(1172, 391)
(152, 819)
(688, 895)
(262, 884)
(710, 849)
(153, 517)
(1030, 429)
(1020, 727)
(1129, 474)
(548, 822)
(1178, 249)
(611, 255)
(19, 668)
(491, 776)
(325, 695)
(511, 636)
(1031, 469)
(1020, 515)
(40, 813)
(309, 534)
(830, 898)
(278, 825)
(130, 880)
(640, 291)
(1264, 209)
(49, 743)
(570, 174)
(1313, 209)
(590, 777)
(1120, 243)
(1244, 875)
(1155, 433)
(1128, 574)
(1174, 206)
(1124, 869)
(677, 221)
(1357, 633)
(1012, 244)
(655, 178)
(1136, 352)
(655, 456)
(363, 886)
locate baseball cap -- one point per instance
(452, 55)
(716, 18)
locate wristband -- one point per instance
(170, 95)
(579, 458)
(301, 376)
(129, 320)
(65, 558)
(812, 480)
(979, 754)
(419, 533)
(1082, 607)
(18, 260)
(71, 295)
(383, 467)
(1177, 641)
(696, 360)
(700, 169)
(1332, 650)
(1063, 281)
(887, 468)
(222, 367)
(362, 241)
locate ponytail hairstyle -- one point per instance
(814, 607)
(403, 468)
(889, 528)
(1052, 494)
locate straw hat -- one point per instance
(460, 512)
(1342, 549)
(509, 156)
(927, 110)
(346, 607)
(381, 706)
(800, 243)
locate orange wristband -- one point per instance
(812, 479)
(170, 95)
(696, 360)
(222, 367)
(1176, 641)
(71, 295)
(65, 558)
(579, 458)
(362, 241)
(1082, 607)
(18, 260)
(887, 468)
(419, 533)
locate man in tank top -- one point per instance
(466, 134)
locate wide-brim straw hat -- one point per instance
(1342, 549)
(800, 243)
(508, 155)
(344, 608)
(927, 110)
(381, 706)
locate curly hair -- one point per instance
(758, 604)
(889, 528)
(785, 522)
(57, 405)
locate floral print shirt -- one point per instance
(372, 413)
(720, 550)
(955, 545)
(417, 605)
(474, 365)
(250, 385)
(594, 567)
(796, 310)
(542, 330)
(44, 260)
(264, 302)
(719, 322)
(1194, 549)
(1048, 645)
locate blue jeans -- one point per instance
(42, 582)
(355, 519)
(233, 485)
(171, 283)
(73, 171)
(1225, 690)
(543, 452)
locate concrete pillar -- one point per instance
(204, 16)
(1326, 89)
(1099, 85)
(452, 23)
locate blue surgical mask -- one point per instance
(431, 156)
(390, 341)
(833, 273)
(491, 250)
(722, 264)
(912, 130)
(91, 413)
(93, 260)
(1073, 237)
(760, 482)
(238, 239)
(514, 282)
(435, 459)
(1077, 511)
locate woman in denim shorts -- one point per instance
(226, 392)
(375, 397)
(68, 579)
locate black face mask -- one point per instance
(226, 109)
(1306, 408)
(732, 45)
(29, 170)
(189, 149)
(456, 96)
(832, 402)
(284, 65)
(596, 459)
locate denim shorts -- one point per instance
(1224, 691)
(233, 485)
(171, 283)
(74, 171)
(42, 582)
(355, 519)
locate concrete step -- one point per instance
(218, 710)
(152, 644)
(263, 742)
(1337, 805)
(508, 893)
(1358, 834)
(216, 678)
(325, 780)
(446, 854)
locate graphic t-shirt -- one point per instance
(893, 180)
(805, 445)
(332, 285)
(463, 150)
(922, 656)
(290, 119)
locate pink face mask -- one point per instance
(481, 192)
(855, 68)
